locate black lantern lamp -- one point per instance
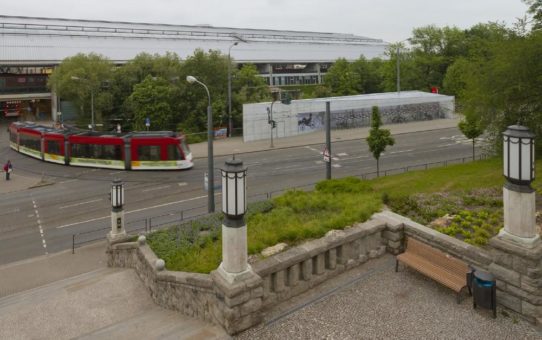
(518, 155)
(117, 194)
(234, 189)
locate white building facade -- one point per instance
(303, 116)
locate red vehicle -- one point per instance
(162, 150)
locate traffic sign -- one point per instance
(327, 157)
(147, 122)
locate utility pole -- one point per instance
(328, 139)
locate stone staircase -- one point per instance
(103, 304)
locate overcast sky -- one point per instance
(391, 20)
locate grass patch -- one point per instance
(471, 194)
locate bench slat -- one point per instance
(451, 280)
(439, 266)
(436, 256)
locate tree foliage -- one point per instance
(154, 86)
(80, 76)
(471, 128)
(378, 138)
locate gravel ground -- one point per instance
(377, 303)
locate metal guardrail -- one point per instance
(175, 217)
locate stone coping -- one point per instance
(316, 247)
(149, 257)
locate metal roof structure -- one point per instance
(47, 41)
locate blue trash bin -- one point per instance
(484, 291)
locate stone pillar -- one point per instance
(234, 266)
(239, 303)
(117, 225)
(519, 277)
(519, 215)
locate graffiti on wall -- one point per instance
(356, 118)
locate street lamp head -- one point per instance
(117, 194)
(234, 190)
(236, 43)
(191, 79)
(519, 155)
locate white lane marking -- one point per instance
(350, 158)
(133, 211)
(31, 215)
(44, 244)
(80, 203)
(401, 151)
(446, 145)
(319, 162)
(336, 165)
(334, 158)
(115, 172)
(68, 181)
(157, 188)
(182, 184)
(342, 154)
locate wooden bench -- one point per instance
(435, 264)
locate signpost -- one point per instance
(147, 123)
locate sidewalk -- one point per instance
(38, 271)
(18, 182)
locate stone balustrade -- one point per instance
(240, 305)
(298, 269)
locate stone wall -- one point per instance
(189, 293)
(241, 305)
(518, 270)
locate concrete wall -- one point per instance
(303, 116)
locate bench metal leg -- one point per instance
(396, 265)
(459, 297)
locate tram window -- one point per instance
(173, 152)
(32, 142)
(53, 147)
(148, 152)
(110, 152)
(97, 151)
(13, 137)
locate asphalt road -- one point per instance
(43, 220)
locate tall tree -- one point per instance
(153, 98)
(378, 138)
(340, 79)
(506, 89)
(535, 9)
(470, 127)
(82, 78)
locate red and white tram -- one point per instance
(156, 150)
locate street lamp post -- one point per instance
(518, 195)
(271, 121)
(230, 124)
(91, 100)
(398, 54)
(234, 264)
(210, 168)
(398, 72)
(117, 211)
